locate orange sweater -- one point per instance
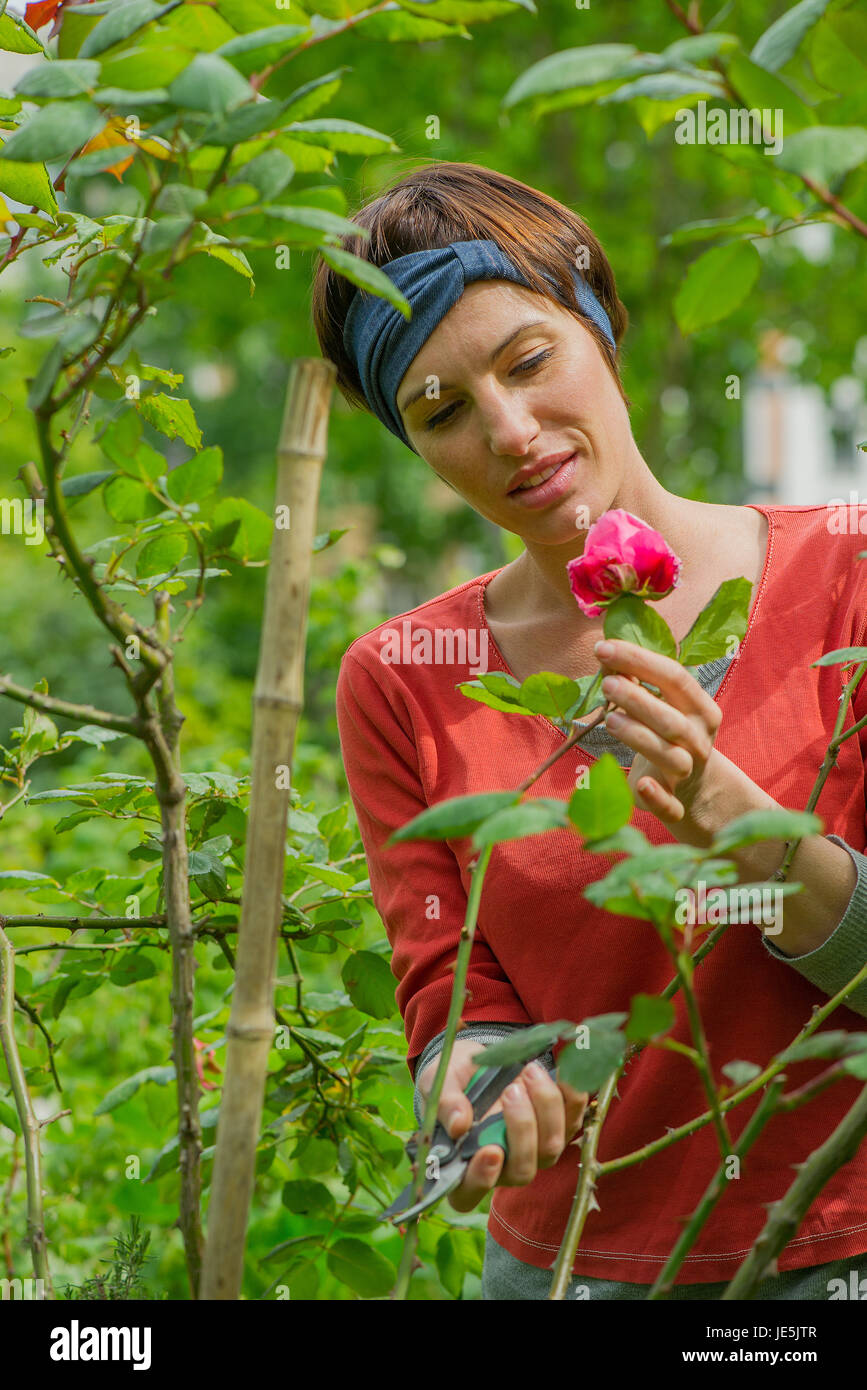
(543, 951)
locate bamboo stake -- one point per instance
(277, 704)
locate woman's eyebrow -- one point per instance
(522, 328)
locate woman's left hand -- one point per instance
(676, 768)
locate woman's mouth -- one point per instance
(540, 494)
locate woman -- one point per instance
(506, 382)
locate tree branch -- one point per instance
(88, 714)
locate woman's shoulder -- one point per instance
(443, 619)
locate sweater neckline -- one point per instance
(767, 511)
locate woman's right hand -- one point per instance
(543, 1115)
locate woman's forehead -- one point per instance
(486, 312)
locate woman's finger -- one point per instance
(522, 1135)
(483, 1171)
(550, 1108)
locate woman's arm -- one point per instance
(824, 927)
(416, 884)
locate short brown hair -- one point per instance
(444, 201)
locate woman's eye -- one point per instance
(531, 362)
(534, 361)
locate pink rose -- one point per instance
(622, 555)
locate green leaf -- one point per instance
(740, 1073)
(761, 90)
(328, 538)
(128, 500)
(24, 879)
(16, 36)
(455, 818)
(269, 173)
(726, 616)
(573, 67)
(838, 51)
(121, 438)
(370, 983)
(361, 1268)
(82, 483)
(209, 873)
(318, 219)
(514, 822)
(120, 22)
(58, 79)
(172, 416)
(828, 1046)
(9, 1118)
(665, 86)
(177, 199)
(598, 1050)
(644, 884)
(780, 42)
(209, 84)
(240, 529)
(396, 26)
(256, 46)
(54, 131)
(368, 277)
(856, 1066)
(648, 1017)
(344, 137)
(222, 249)
(450, 1265)
(523, 1045)
(843, 656)
(625, 840)
(824, 152)
(632, 619)
(496, 697)
(605, 803)
(708, 228)
(197, 477)
(93, 734)
(716, 283)
(118, 1094)
(316, 93)
(42, 383)
(131, 967)
(161, 554)
(696, 48)
(307, 1198)
(550, 694)
(28, 184)
(755, 826)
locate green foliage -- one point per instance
(124, 1280)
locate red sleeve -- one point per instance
(381, 764)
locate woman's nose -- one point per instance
(508, 424)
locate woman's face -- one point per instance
(520, 382)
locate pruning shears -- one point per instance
(448, 1158)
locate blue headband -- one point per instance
(383, 343)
